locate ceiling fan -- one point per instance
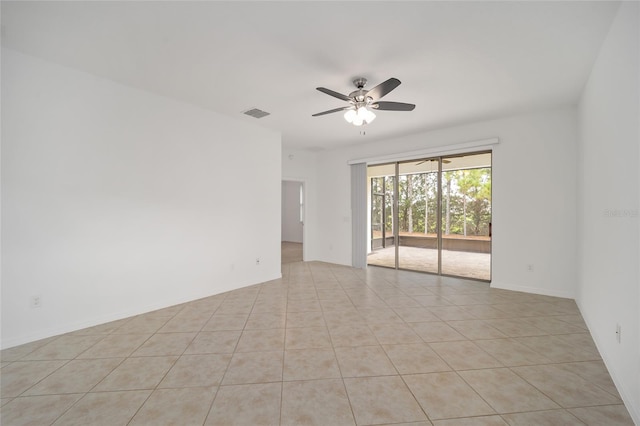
(432, 159)
(362, 102)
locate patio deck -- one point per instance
(458, 263)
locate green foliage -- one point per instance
(469, 202)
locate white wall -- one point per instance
(116, 201)
(301, 166)
(609, 202)
(291, 224)
(534, 196)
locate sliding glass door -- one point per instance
(466, 216)
(433, 215)
(418, 215)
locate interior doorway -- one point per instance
(432, 215)
(292, 221)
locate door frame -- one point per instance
(395, 210)
(303, 185)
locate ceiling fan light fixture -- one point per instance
(360, 116)
(367, 115)
(350, 115)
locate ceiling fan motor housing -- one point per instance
(360, 95)
(360, 82)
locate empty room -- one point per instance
(320, 213)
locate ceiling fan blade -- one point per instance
(383, 88)
(334, 94)
(432, 159)
(392, 106)
(332, 111)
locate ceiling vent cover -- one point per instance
(256, 113)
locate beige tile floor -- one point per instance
(291, 252)
(326, 345)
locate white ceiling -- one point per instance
(458, 61)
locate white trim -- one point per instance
(437, 151)
(57, 330)
(609, 362)
(533, 290)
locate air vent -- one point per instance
(256, 113)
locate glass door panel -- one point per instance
(466, 216)
(377, 221)
(417, 215)
(382, 248)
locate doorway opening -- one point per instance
(292, 221)
(432, 215)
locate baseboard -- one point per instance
(629, 403)
(115, 316)
(533, 290)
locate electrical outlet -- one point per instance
(36, 302)
(618, 333)
(257, 261)
(530, 267)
